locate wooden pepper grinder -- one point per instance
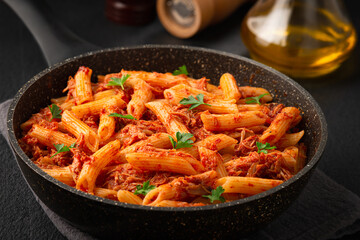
(184, 18)
(130, 12)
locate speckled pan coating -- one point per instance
(104, 217)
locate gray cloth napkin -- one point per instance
(324, 210)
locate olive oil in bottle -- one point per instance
(301, 38)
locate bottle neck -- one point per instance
(130, 12)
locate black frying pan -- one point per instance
(103, 217)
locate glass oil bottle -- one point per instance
(301, 38)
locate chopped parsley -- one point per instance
(62, 148)
(128, 116)
(255, 99)
(118, 81)
(194, 102)
(216, 195)
(182, 140)
(181, 70)
(144, 189)
(262, 148)
(55, 111)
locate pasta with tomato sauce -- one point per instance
(165, 139)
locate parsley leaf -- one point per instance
(55, 111)
(195, 102)
(182, 140)
(62, 148)
(216, 195)
(181, 70)
(118, 81)
(145, 189)
(262, 148)
(256, 99)
(128, 116)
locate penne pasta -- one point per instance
(246, 185)
(68, 104)
(172, 203)
(212, 160)
(250, 107)
(175, 162)
(76, 127)
(91, 170)
(290, 156)
(280, 125)
(159, 80)
(180, 188)
(290, 139)
(175, 94)
(26, 126)
(227, 157)
(95, 107)
(213, 89)
(105, 193)
(59, 100)
(142, 94)
(100, 78)
(50, 137)
(63, 174)
(214, 142)
(247, 92)
(107, 93)
(159, 194)
(83, 89)
(301, 160)
(229, 87)
(220, 106)
(160, 140)
(107, 123)
(128, 197)
(162, 110)
(225, 122)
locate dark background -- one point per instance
(21, 58)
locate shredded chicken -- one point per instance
(261, 165)
(80, 158)
(140, 130)
(127, 177)
(246, 145)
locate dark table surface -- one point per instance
(20, 58)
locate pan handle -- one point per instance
(56, 41)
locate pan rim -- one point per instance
(308, 167)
